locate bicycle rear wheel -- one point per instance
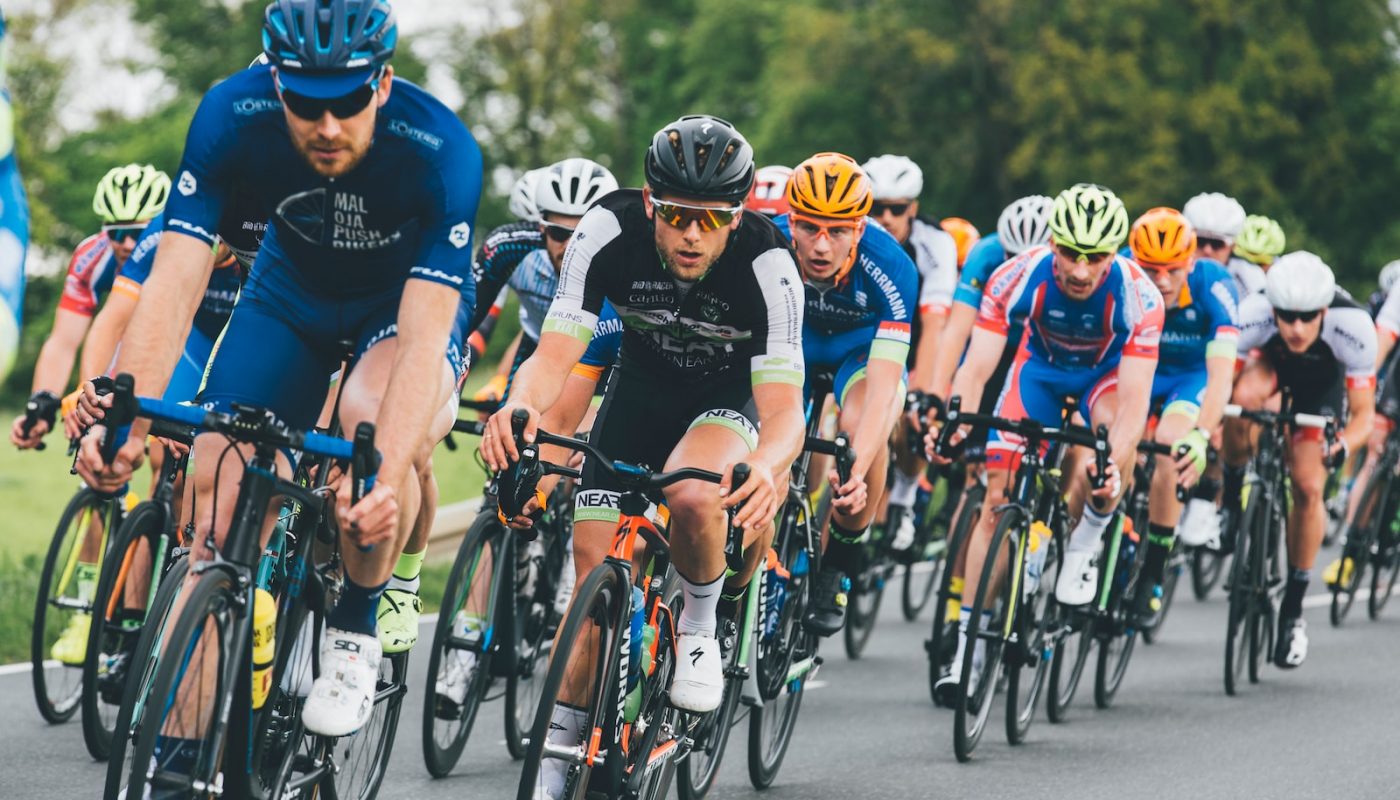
(1206, 568)
(786, 660)
(535, 626)
(460, 660)
(1068, 663)
(1359, 541)
(1242, 578)
(593, 622)
(1036, 619)
(867, 590)
(942, 641)
(1385, 564)
(115, 628)
(1176, 564)
(64, 603)
(977, 685)
(205, 656)
(363, 756)
(922, 574)
(1118, 634)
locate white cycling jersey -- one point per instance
(1388, 317)
(1249, 277)
(1348, 338)
(936, 255)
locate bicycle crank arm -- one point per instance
(803, 668)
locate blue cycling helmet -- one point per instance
(328, 48)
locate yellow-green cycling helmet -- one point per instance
(133, 193)
(1261, 240)
(1089, 218)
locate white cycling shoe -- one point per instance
(1079, 577)
(698, 685)
(904, 534)
(342, 698)
(1200, 524)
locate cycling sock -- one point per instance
(1090, 529)
(86, 576)
(955, 589)
(843, 549)
(1159, 544)
(1234, 483)
(1206, 489)
(357, 610)
(405, 577)
(175, 754)
(698, 613)
(1297, 586)
(903, 488)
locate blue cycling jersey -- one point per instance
(14, 230)
(1205, 322)
(868, 313)
(405, 211)
(982, 261)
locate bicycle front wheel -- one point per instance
(977, 685)
(867, 590)
(363, 756)
(1076, 632)
(942, 641)
(930, 545)
(1384, 570)
(1242, 578)
(1036, 620)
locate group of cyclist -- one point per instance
(322, 201)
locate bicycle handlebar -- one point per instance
(1032, 431)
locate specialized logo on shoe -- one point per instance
(696, 655)
(347, 645)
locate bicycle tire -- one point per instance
(1073, 650)
(58, 687)
(1383, 576)
(915, 588)
(376, 737)
(440, 756)
(656, 716)
(867, 592)
(1241, 585)
(696, 774)
(534, 630)
(1176, 564)
(970, 713)
(214, 595)
(1359, 541)
(939, 653)
(1206, 568)
(1035, 625)
(138, 682)
(1117, 637)
(599, 599)
(772, 724)
(147, 521)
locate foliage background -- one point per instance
(1293, 106)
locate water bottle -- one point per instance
(634, 634)
(774, 593)
(1037, 547)
(799, 564)
(264, 644)
(1130, 546)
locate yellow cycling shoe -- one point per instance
(71, 647)
(1341, 565)
(398, 620)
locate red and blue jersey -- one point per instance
(91, 273)
(1122, 317)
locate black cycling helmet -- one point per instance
(702, 157)
(329, 42)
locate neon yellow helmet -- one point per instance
(1261, 240)
(1089, 218)
(133, 193)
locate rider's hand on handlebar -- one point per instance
(1113, 485)
(90, 407)
(931, 442)
(759, 494)
(528, 515)
(97, 472)
(849, 498)
(19, 439)
(498, 440)
(374, 520)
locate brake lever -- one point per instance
(734, 542)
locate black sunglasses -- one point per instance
(122, 234)
(897, 209)
(557, 232)
(1211, 243)
(1296, 316)
(343, 107)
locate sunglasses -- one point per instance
(119, 233)
(824, 227)
(680, 215)
(1075, 254)
(1296, 316)
(343, 107)
(897, 209)
(1211, 243)
(557, 232)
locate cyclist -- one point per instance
(14, 228)
(1022, 225)
(369, 242)
(1261, 240)
(964, 233)
(1092, 322)
(1195, 370)
(710, 374)
(1218, 220)
(860, 290)
(896, 183)
(1384, 283)
(126, 199)
(769, 193)
(1314, 341)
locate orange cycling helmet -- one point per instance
(1163, 238)
(830, 185)
(964, 233)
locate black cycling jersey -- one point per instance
(1343, 356)
(744, 315)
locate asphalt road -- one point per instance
(867, 729)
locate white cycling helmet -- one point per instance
(894, 178)
(522, 196)
(1215, 214)
(1390, 273)
(1025, 223)
(1300, 281)
(570, 186)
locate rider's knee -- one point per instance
(693, 505)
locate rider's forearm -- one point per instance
(1361, 410)
(782, 427)
(540, 380)
(60, 350)
(1220, 372)
(564, 418)
(1385, 342)
(427, 312)
(872, 434)
(162, 319)
(931, 325)
(950, 347)
(1134, 399)
(508, 357)
(106, 332)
